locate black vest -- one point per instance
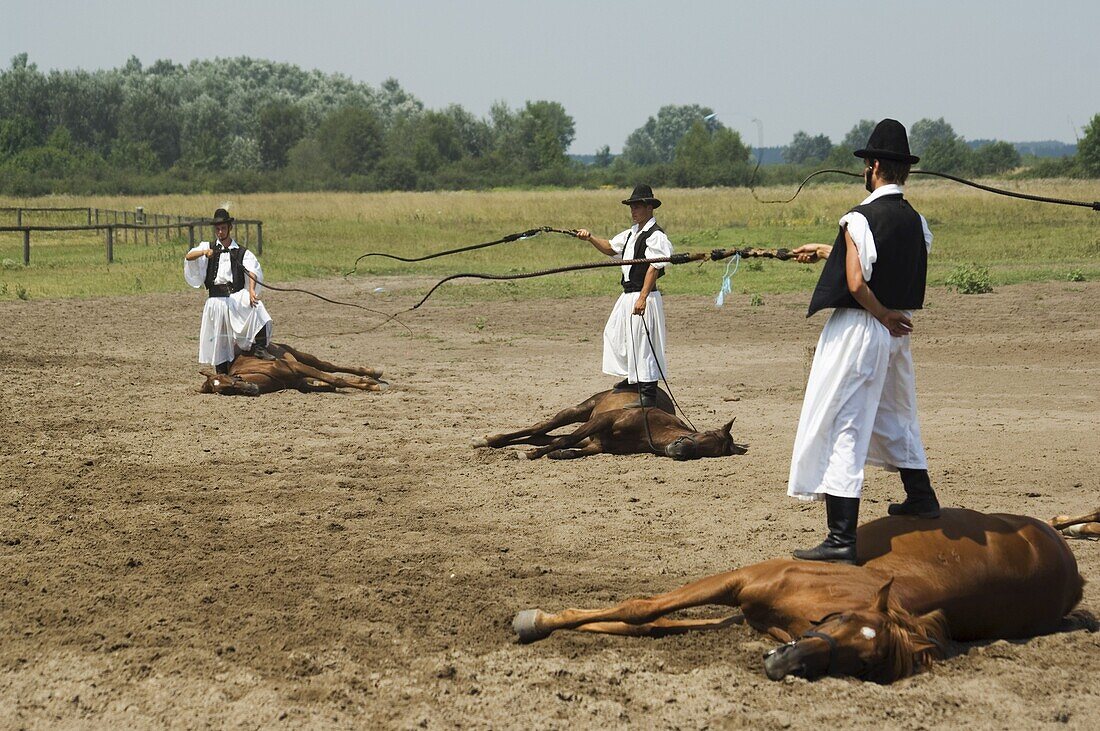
(898, 276)
(636, 280)
(236, 261)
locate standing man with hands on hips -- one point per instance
(634, 337)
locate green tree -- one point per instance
(351, 140)
(150, 116)
(545, 133)
(280, 125)
(204, 135)
(804, 149)
(926, 131)
(946, 155)
(603, 157)
(18, 134)
(1088, 149)
(656, 140)
(994, 158)
(857, 136)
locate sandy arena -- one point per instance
(169, 559)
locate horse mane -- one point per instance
(912, 643)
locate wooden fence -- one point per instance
(129, 226)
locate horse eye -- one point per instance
(868, 633)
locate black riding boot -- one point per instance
(222, 368)
(259, 346)
(920, 498)
(624, 385)
(647, 395)
(840, 545)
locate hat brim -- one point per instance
(886, 155)
(216, 221)
(652, 201)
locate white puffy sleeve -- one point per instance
(252, 264)
(860, 231)
(619, 243)
(194, 272)
(927, 232)
(658, 245)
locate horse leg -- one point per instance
(1064, 521)
(307, 385)
(585, 450)
(1082, 530)
(662, 627)
(534, 624)
(322, 365)
(593, 426)
(308, 371)
(572, 415)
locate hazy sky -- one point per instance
(993, 68)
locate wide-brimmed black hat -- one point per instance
(222, 216)
(643, 194)
(888, 142)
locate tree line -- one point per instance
(243, 124)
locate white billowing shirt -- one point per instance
(860, 230)
(194, 272)
(657, 245)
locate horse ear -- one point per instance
(882, 598)
(729, 425)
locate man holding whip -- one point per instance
(634, 337)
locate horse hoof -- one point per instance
(479, 442)
(525, 625)
(382, 386)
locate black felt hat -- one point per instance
(888, 142)
(222, 216)
(642, 194)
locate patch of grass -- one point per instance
(970, 279)
(1075, 275)
(320, 235)
(756, 300)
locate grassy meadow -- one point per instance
(316, 235)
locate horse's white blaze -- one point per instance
(868, 632)
(217, 382)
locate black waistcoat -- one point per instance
(236, 262)
(636, 280)
(899, 273)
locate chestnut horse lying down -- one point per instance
(251, 376)
(610, 428)
(964, 576)
(1082, 526)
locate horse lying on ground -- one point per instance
(611, 428)
(964, 576)
(251, 376)
(1082, 526)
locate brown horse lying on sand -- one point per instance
(609, 427)
(964, 576)
(1082, 526)
(251, 376)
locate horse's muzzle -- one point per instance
(788, 659)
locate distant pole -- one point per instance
(26, 246)
(259, 238)
(110, 244)
(89, 216)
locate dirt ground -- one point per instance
(169, 559)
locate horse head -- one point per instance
(714, 443)
(881, 643)
(227, 385)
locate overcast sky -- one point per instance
(992, 68)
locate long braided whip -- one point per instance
(518, 236)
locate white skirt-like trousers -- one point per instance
(627, 351)
(229, 326)
(860, 408)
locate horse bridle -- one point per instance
(690, 438)
(814, 633)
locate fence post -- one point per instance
(89, 215)
(191, 235)
(259, 238)
(26, 246)
(110, 244)
(97, 217)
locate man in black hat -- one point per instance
(634, 337)
(861, 401)
(234, 319)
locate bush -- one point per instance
(970, 279)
